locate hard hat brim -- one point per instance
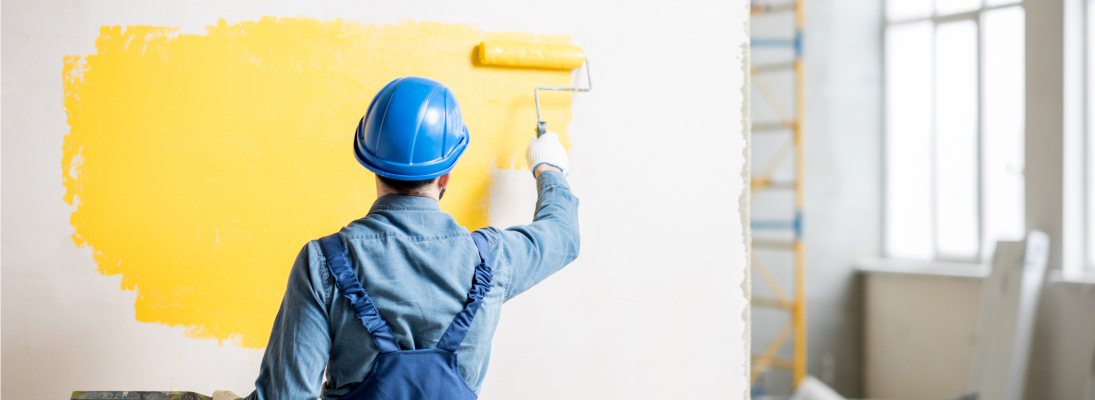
(411, 172)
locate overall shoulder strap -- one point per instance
(480, 286)
(351, 288)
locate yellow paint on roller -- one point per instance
(201, 164)
(533, 55)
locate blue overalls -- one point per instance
(409, 374)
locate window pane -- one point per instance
(908, 140)
(897, 10)
(956, 199)
(947, 7)
(1004, 119)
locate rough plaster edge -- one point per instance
(744, 202)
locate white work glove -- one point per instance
(224, 395)
(547, 149)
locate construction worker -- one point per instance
(403, 303)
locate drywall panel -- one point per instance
(653, 308)
(1009, 307)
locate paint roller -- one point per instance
(537, 55)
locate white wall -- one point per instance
(653, 308)
(919, 335)
(843, 177)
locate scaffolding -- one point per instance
(795, 305)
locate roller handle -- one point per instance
(541, 126)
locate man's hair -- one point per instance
(405, 187)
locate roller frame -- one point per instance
(541, 126)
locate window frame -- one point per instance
(1086, 137)
(936, 19)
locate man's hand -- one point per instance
(545, 152)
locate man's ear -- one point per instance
(443, 180)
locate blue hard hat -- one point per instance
(412, 131)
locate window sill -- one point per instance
(920, 267)
(959, 270)
(1058, 277)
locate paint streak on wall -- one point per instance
(201, 164)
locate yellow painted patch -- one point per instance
(201, 164)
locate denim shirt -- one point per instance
(416, 263)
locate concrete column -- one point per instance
(1045, 120)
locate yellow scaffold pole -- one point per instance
(800, 268)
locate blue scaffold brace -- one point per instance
(410, 374)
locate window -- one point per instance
(954, 127)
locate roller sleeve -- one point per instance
(533, 55)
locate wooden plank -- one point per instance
(769, 127)
(773, 244)
(774, 67)
(137, 395)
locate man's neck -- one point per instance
(382, 191)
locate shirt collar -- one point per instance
(402, 202)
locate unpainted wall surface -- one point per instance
(129, 265)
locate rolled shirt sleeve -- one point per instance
(535, 251)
